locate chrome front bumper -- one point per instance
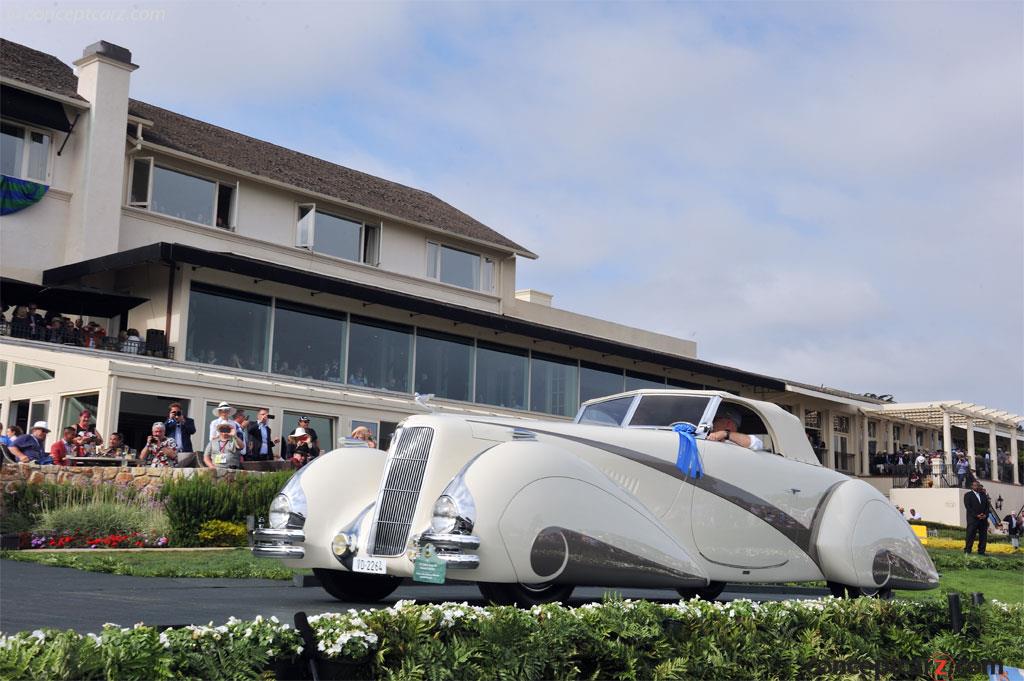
(269, 542)
(453, 549)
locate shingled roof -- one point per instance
(257, 157)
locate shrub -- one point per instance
(22, 506)
(190, 502)
(101, 518)
(222, 533)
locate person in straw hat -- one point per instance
(223, 412)
(300, 448)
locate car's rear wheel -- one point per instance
(707, 593)
(524, 595)
(356, 587)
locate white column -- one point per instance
(826, 433)
(865, 455)
(890, 444)
(1013, 455)
(970, 445)
(913, 437)
(993, 461)
(947, 440)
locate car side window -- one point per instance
(607, 413)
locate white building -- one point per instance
(266, 277)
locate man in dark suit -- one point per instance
(261, 442)
(977, 504)
(181, 428)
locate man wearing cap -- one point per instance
(724, 429)
(30, 448)
(223, 412)
(314, 442)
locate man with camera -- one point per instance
(226, 450)
(160, 451)
(180, 428)
(261, 443)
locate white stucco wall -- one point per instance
(32, 239)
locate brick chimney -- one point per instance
(104, 72)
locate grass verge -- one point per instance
(1000, 585)
(236, 563)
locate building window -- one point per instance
(337, 236)
(812, 418)
(73, 405)
(323, 425)
(553, 385)
(379, 354)
(25, 373)
(872, 429)
(3, 373)
(228, 328)
(24, 152)
(501, 375)
(444, 365)
(841, 424)
(638, 381)
(308, 342)
(686, 385)
(181, 195)
(598, 381)
(40, 412)
(460, 268)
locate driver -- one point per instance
(725, 429)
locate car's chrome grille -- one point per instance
(397, 503)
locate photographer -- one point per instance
(225, 451)
(261, 442)
(88, 438)
(180, 428)
(160, 451)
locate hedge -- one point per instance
(619, 639)
(191, 502)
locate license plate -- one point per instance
(374, 566)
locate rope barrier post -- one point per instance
(956, 615)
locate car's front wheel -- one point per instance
(843, 591)
(524, 595)
(356, 587)
(707, 593)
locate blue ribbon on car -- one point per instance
(688, 460)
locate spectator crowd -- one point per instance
(916, 466)
(25, 321)
(232, 439)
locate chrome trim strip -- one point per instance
(285, 535)
(458, 561)
(278, 551)
(450, 541)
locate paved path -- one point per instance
(34, 596)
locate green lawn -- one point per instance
(1000, 585)
(237, 563)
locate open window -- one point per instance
(177, 194)
(337, 236)
(752, 423)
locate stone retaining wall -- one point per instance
(147, 480)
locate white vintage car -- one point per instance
(529, 509)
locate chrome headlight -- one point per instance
(289, 506)
(280, 511)
(445, 516)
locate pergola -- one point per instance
(966, 415)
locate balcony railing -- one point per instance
(81, 338)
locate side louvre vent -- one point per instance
(401, 492)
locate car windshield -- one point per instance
(662, 411)
(608, 413)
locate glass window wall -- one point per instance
(637, 381)
(553, 385)
(444, 365)
(598, 381)
(309, 342)
(501, 375)
(26, 373)
(338, 237)
(228, 328)
(379, 354)
(323, 425)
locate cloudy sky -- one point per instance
(827, 192)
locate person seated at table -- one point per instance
(116, 448)
(226, 450)
(160, 451)
(65, 447)
(29, 448)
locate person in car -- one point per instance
(725, 428)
